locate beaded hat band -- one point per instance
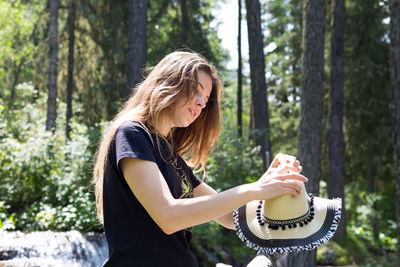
(286, 224)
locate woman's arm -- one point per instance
(204, 189)
(171, 215)
(281, 161)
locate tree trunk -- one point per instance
(52, 83)
(112, 59)
(310, 129)
(16, 76)
(335, 129)
(239, 72)
(371, 173)
(394, 6)
(136, 43)
(258, 84)
(70, 83)
(184, 22)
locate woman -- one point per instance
(147, 197)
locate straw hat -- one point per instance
(286, 223)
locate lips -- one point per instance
(192, 112)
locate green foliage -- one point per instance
(165, 30)
(102, 43)
(19, 31)
(368, 124)
(283, 72)
(355, 250)
(363, 211)
(45, 182)
(368, 117)
(216, 241)
(234, 161)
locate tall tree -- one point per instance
(115, 30)
(53, 59)
(335, 128)
(239, 72)
(70, 83)
(310, 128)
(136, 42)
(258, 83)
(184, 21)
(394, 7)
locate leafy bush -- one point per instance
(355, 250)
(45, 180)
(235, 161)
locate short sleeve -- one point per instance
(195, 180)
(132, 141)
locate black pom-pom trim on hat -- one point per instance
(276, 224)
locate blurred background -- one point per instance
(311, 78)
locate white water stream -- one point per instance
(48, 249)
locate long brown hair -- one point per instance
(174, 77)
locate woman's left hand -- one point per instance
(281, 164)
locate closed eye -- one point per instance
(202, 88)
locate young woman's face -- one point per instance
(187, 112)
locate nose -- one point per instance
(200, 101)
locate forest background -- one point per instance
(324, 93)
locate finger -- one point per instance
(290, 159)
(276, 162)
(298, 166)
(284, 159)
(293, 175)
(296, 163)
(295, 185)
(286, 169)
(289, 191)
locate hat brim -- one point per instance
(308, 237)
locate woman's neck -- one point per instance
(163, 127)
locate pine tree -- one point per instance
(335, 129)
(239, 72)
(137, 42)
(53, 59)
(394, 7)
(70, 85)
(310, 129)
(258, 83)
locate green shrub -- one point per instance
(45, 180)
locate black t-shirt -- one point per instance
(133, 238)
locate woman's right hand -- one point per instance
(279, 184)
